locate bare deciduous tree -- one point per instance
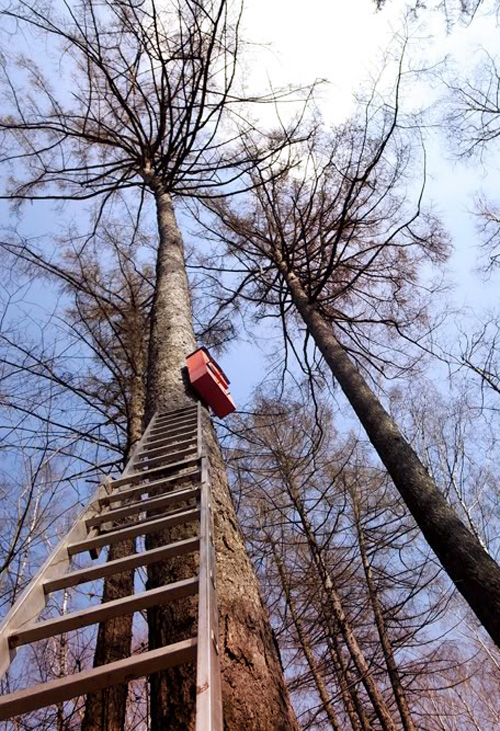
(336, 249)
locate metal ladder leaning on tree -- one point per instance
(168, 467)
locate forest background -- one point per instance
(447, 401)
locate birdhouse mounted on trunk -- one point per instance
(210, 382)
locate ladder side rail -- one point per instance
(32, 601)
(94, 531)
(134, 455)
(199, 435)
(218, 717)
(139, 445)
(208, 682)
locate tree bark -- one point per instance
(475, 574)
(253, 689)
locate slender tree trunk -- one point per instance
(62, 658)
(254, 693)
(470, 567)
(348, 687)
(358, 657)
(105, 710)
(306, 646)
(337, 610)
(385, 642)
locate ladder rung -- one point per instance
(171, 427)
(82, 576)
(162, 447)
(102, 612)
(138, 476)
(133, 531)
(146, 487)
(163, 434)
(142, 505)
(174, 420)
(173, 415)
(165, 457)
(165, 414)
(115, 673)
(179, 433)
(139, 520)
(165, 441)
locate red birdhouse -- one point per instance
(210, 382)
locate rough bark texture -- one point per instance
(471, 568)
(254, 694)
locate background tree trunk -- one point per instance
(475, 574)
(105, 710)
(378, 613)
(254, 694)
(305, 644)
(348, 688)
(336, 617)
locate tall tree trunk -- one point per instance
(348, 687)
(105, 710)
(253, 689)
(362, 666)
(62, 661)
(470, 567)
(385, 642)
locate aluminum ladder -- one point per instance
(168, 466)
